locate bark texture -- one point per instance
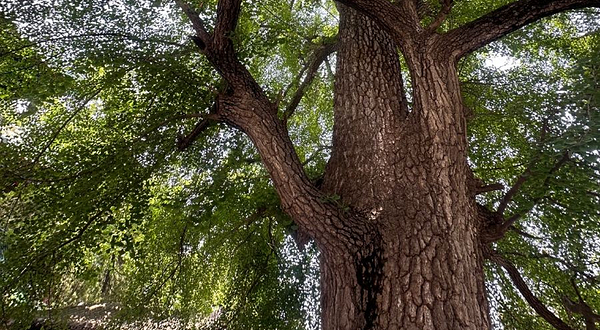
(406, 173)
(402, 240)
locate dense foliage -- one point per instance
(98, 203)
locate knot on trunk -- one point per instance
(491, 224)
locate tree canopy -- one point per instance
(119, 184)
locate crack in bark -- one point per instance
(369, 273)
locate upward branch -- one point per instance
(507, 19)
(311, 69)
(228, 13)
(245, 105)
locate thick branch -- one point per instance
(246, 106)
(228, 13)
(507, 19)
(531, 299)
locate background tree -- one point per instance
(169, 173)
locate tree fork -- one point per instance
(408, 253)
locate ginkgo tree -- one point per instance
(194, 159)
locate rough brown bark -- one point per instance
(405, 174)
(402, 240)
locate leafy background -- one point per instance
(99, 205)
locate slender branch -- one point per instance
(593, 193)
(315, 154)
(531, 299)
(510, 221)
(525, 176)
(184, 142)
(441, 17)
(581, 307)
(65, 123)
(319, 56)
(257, 215)
(78, 234)
(490, 187)
(168, 120)
(524, 233)
(95, 34)
(507, 19)
(177, 265)
(543, 255)
(515, 188)
(197, 23)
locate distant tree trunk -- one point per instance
(405, 173)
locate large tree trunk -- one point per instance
(406, 176)
(402, 244)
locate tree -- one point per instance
(403, 215)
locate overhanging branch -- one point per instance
(531, 299)
(507, 19)
(55, 135)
